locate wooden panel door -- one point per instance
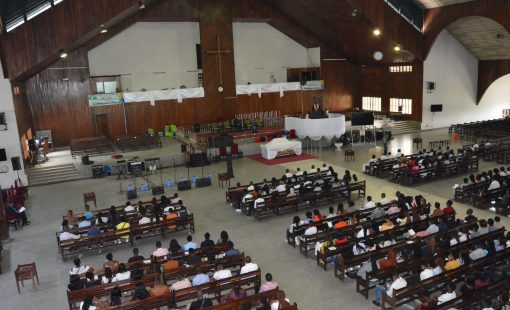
(102, 125)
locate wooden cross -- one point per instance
(218, 51)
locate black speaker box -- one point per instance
(16, 164)
(158, 190)
(32, 145)
(184, 185)
(85, 159)
(183, 148)
(97, 171)
(131, 194)
(196, 127)
(203, 182)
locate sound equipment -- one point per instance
(3, 155)
(230, 169)
(85, 160)
(184, 185)
(183, 148)
(318, 114)
(158, 190)
(238, 125)
(203, 182)
(131, 194)
(16, 164)
(135, 166)
(362, 118)
(97, 171)
(196, 127)
(32, 145)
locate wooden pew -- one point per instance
(436, 282)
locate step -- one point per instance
(54, 181)
(61, 171)
(59, 176)
(51, 168)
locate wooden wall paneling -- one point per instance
(488, 72)
(378, 81)
(116, 123)
(22, 110)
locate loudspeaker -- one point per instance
(131, 194)
(158, 190)
(199, 56)
(31, 145)
(16, 165)
(184, 185)
(183, 148)
(97, 171)
(203, 182)
(196, 127)
(85, 160)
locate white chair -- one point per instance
(338, 146)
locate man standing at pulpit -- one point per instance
(317, 106)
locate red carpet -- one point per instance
(281, 160)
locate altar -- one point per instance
(317, 129)
(280, 147)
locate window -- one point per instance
(401, 105)
(38, 10)
(400, 69)
(109, 87)
(371, 104)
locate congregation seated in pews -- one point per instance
(402, 250)
(485, 188)
(426, 165)
(213, 276)
(304, 189)
(95, 230)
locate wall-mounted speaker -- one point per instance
(430, 86)
(199, 56)
(16, 164)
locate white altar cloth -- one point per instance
(316, 129)
(270, 150)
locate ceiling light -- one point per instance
(397, 48)
(63, 54)
(141, 6)
(376, 32)
(103, 29)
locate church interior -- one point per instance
(254, 154)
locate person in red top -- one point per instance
(317, 216)
(449, 210)
(341, 224)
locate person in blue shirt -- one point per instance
(200, 278)
(93, 230)
(190, 244)
(88, 215)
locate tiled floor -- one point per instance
(303, 281)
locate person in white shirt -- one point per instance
(312, 170)
(281, 188)
(144, 220)
(448, 295)
(384, 200)
(129, 207)
(66, 235)
(257, 202)
(246, 197)
(311, 231)
(175, 199)
(477, 253)
(79, 268)
(494, 184)
(370, 204)
(324, 168)
(383, 157)
(122, 273)
(222, 273)
(432, 229)
(366, 167)
(248, 266)
(84, 224)
(427, 271)
(288, 174)
(87, 303)
(299, 172)
(398, 154)
(398, 283)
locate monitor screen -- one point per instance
(3, 156)
(436, 108)
(362, 118)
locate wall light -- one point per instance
(103, 29)
(376, 32)
(63, 54)
(397, 48)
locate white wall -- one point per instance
(145, 48)
(261, 50)
(455, 71)
(9, 139)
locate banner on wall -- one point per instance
(105, 99)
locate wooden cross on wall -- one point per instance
(218, 51)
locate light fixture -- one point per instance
(354, 12)
(103, 29)
(63, 54)
(376, 32)
(397, 48)
(141, 6)
(378, 55)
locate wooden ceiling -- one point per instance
(482, 36)
(430, 4)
